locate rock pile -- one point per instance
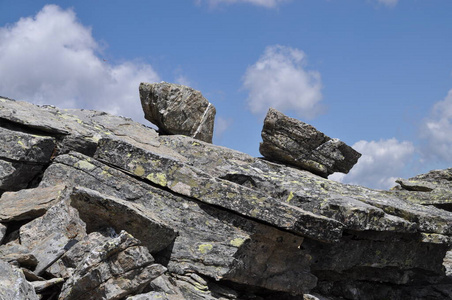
(293, 142)
(178, 109)
(95, 206)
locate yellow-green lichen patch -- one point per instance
(85, 165)
(21, 144)
(139, 171)
(158, 178)
(204, 248)
(290, 197)
(237, 242)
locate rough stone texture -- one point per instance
(178, 109)
(432, 188)
(220, 224)
(2, 232)
(29, 204)
(13, 285)
(22, 157)
(100, 211)
(49, 236)
(113, 270)
(296, 143)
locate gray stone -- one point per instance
(192, 182)
(178, 109)
(293, 142)
(50, 236)
(15, 252)
(113, 270)
(40, 286)
(30, 203)
(99, 211)
(13, 284)
(2, 232)
(149, 296)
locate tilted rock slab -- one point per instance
(178, 109)
(293, 142)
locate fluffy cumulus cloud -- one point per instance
(263, 3)
(436, 132)
(380, 165)
(52, 58)
(279, 80)
(389, 3)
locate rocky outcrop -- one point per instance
(178, 109)
(293, 142)
(117, 211)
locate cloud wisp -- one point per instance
(262, 3)
(380, 165)
(279, 80)
(52, 58)
(388, 3)
(436, 132)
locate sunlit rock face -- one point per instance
(102, 207)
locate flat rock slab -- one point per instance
(178, 109)
(293, 142)
(99, 211)
(29, 203)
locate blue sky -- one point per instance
(376, 74)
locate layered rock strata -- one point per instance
(118, 212)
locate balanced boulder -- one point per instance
(293, 142)
(178, 109)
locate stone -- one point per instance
(99, 211)
(115, 269)
(432, 188)
(2, 232)
(293, 142)
(40, 286)
(15, 252)
(50, 236)
(149, 296)
(191, 182)
(178, 109)
(29, 203)
(13, 284)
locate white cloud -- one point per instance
(278, 79)
(221, 125)
(389, 3)
(52, 58)
(263, 3)
(436, 131)
(380, 165)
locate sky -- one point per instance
(377, 74)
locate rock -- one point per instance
(2, 232)
(40, 286)
(293, 142)
(188, 181)
(13, 284)
(432, 188)
(115, 269)
(178, 109)
(14, 252)
(100, 211)
(50, 236)
(209, 239)
(29, 204)
(149, 296)
(22, 158)
(220, 224)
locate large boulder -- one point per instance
(293, 142)
(13, 285)
(178, 109)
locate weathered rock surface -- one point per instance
(199, 221)
(13, 285)
(178, 109)
(293, 142)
